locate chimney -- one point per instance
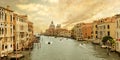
(8, 7)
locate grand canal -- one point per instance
(68, 49)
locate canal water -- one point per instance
(68, 49)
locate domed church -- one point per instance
(52, 26)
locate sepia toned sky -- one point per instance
(65, 12)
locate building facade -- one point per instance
(86, 31)
(118, 33)
(107, 27)
(30, 34)
(82, 31)
(64, 33)
(15, 31)
(77, 31)
(95, 30)
(58, 30)
(21, 31)
(6, 31)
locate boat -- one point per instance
(49, 43)
(103, 46)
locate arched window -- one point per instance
(108, 26)
(11, 18)
(5, 30)
(2, 31)
(5, 16)
(0, 14)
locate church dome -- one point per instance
(52, 25)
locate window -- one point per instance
(17, 45)
(108, 33)
(91, 32)
(5, 30)
(2, 31)
(13, 37)
(14, 27)
(11, 30)
(96, 26)
(6, 47)
(3, 47)
(11, 45)
(5, 24)
(0, 15)
(11, 18)
(96, 37)
(108, 26)
(22, 35)
(96, 32)
(5, 16)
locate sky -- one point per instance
(64, 12)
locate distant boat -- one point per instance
(55, 36)
(83, 45)
(49, 43)
(80, 45)
(60, 39)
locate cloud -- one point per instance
(69, 12)
(31, 7)
(23, 1)
(53, 1)
(39, 13)
(65, 12)
(87, 10)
